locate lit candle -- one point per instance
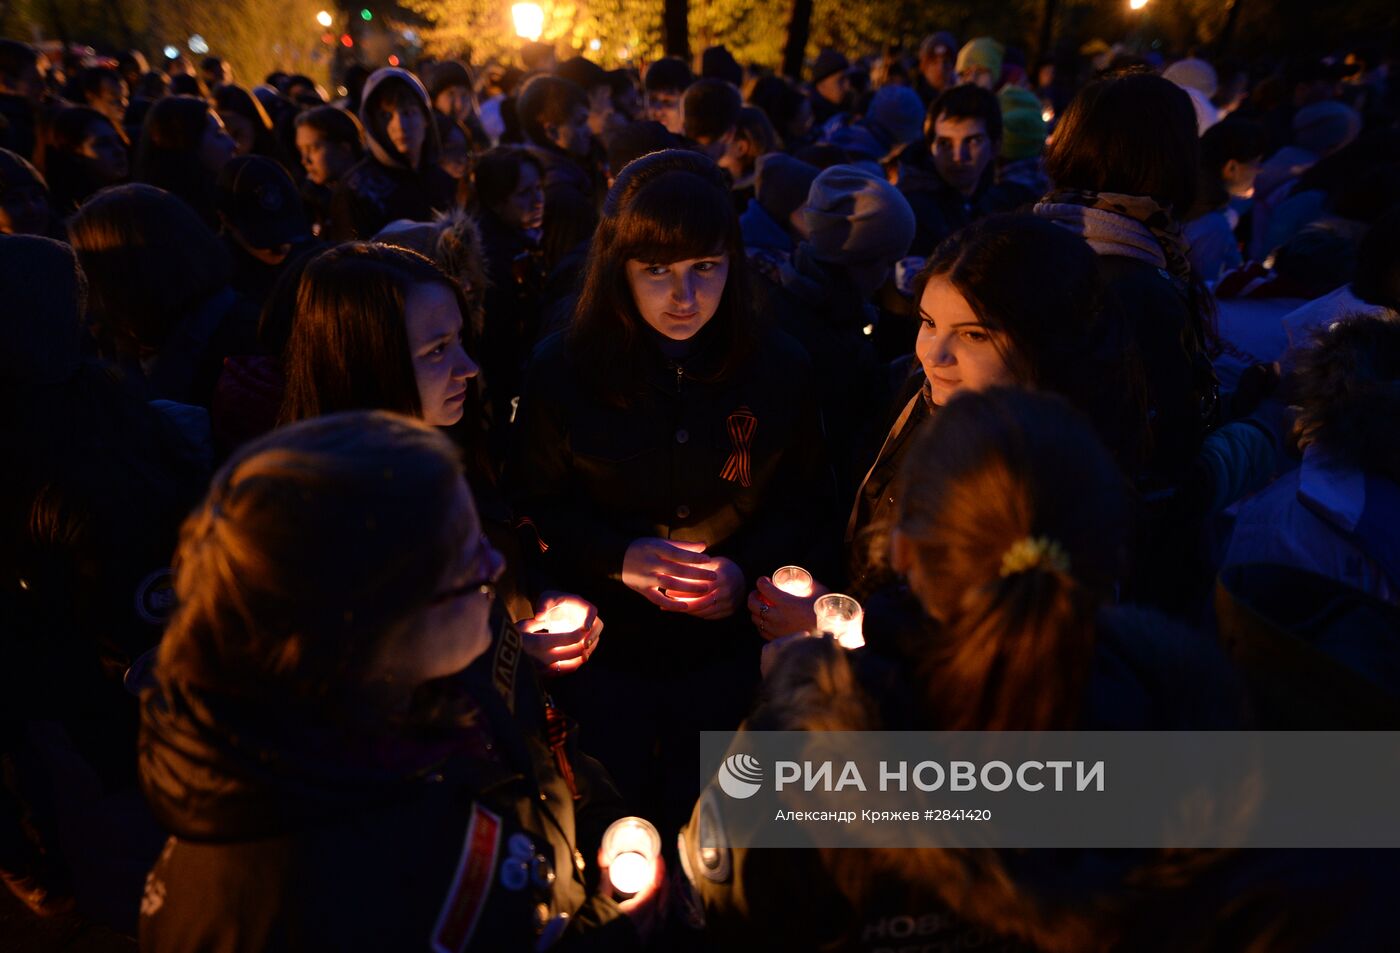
(794, 580)
(840, 616)
(629, 851)
(630, 872)
(564, 617)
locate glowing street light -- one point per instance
(1137, 4)
(324, 18)
(529, 20)
(198, 45)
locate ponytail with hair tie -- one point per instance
(1034, 552)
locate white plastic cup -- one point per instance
(841, 617)
(794, 580)
(629, 851)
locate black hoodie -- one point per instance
(383, 187)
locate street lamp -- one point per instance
(1137, 4)
(529, 20)
(324, 18)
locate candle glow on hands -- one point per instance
(564, 617)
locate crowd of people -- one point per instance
(397, 481)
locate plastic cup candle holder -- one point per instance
(794, 580)
(629, 851)
(840, 616)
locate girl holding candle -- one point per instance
(1010, 300)
(669, 449)
(1010, 533)
(379, 327)
(318, 740)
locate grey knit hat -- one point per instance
(857, 219)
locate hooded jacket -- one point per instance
(383, 187)
(293, 831)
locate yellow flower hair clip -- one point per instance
(1038, 552)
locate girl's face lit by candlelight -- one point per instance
(957, 351)
(678, 298)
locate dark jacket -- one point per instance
(739, 464)
(298, 834)
(821, 307)
(874, 500)
(940, 209)
(572, 196)
(189, 363)
(513, 307)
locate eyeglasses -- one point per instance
(485, 587)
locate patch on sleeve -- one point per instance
(470, 885)
(507, 659)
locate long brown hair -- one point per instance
(315, 545)
(1040, 286)
(664, 207)
(349, 346)
(991, 472)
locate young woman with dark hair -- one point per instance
(1125, 163)
(400, 177)
(379, 327)
(183, 146)
(158, 292)
(670, 448)
(1010, 529)
(509, 185)
(330, 140)
(1011, 300)
(318, 738)
(246, 121)
(82, 151)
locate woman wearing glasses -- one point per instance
(333, 773)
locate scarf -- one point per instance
(1130, 226)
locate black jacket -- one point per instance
(821, 307)
(675, 464)
(940, 209)
(296, 834)
(371, 195)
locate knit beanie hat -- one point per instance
(983, 52)
(445, 75)
(1023, 129)
(1325, 127)
(1193, 74)
(896, 115)
(857, 219)
(782, 184)
(828, 63)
